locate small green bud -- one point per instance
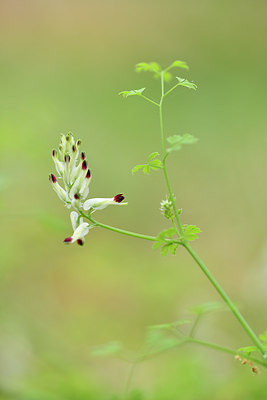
(166, 208)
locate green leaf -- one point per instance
(149, 67)
(152, 163)
(164, 249)
(167, 76)
(137, 167)
(190, 232)
(155, 164)
(179, 64)
(109, 349)
(186, 83)
(173, 248)
(152, 155)
(171, 325)
(169, 247)
(263, 336)
(146, 169)
(157, 244)
(177, 141)
(206, 308)
(248, 349)
(157, 341)
(167, 233)
(134, 92)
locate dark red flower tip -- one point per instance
(54, 153)
(79, 143)
(76, 196)
(80, 242)
(84, 165)
(68, 240)
(73, 148)
(88, 175)
(65, 158)
(118, 198)
(53, 178)
(83, 155)
(68, 158)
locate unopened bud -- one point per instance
(238, 358)
(119, 198)
(255, 370)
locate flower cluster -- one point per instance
(166, 208)
(73, 172)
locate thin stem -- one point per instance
(148, 99)
(223, 349)
(193, 327)
(169, 91)
(130, 376)
(122, 231)
(163, 151)
(216, 285)
(227, 300)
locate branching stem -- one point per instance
(187, 246)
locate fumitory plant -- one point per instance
(72, 187)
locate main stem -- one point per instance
(227, 299)
(163, 152)
(194, 255)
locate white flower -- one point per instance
(75, 176)
(80, 229)
(100, 203)
(73, 171)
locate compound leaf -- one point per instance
(179, 64)
(149, 67)
(206, 308)
(155, 164)
(137, 167)
(146, 169)
(152, 155)
(248, 349)
(190, 232)
(186, 83)
(177, 141)
(108, 349)
(263, 336)
(134, 92)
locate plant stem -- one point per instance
(203, 267)
(223, 349)
(123, 231)
(163, 151)
(227, 300)
(150, 101)
(193, 328)
(130, 376)
(169, 91)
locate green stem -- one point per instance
(227, 300)
(193, 328)
(216, 285)
(122, 231)
(224, 349)
(130, 376)
(150, 101)
(163, 151)
(169, 91)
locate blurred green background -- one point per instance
(62, 66)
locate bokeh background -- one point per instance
(62, 66)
